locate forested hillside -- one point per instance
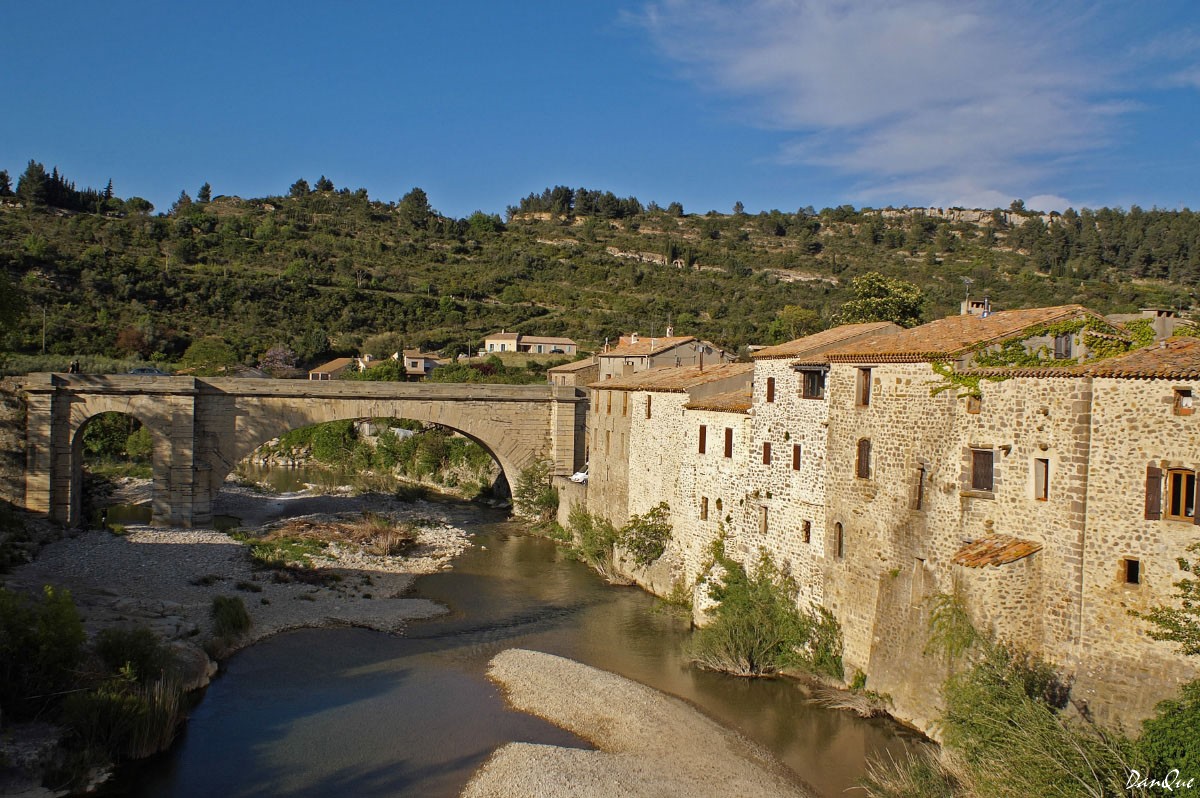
(325, 271)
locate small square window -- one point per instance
(1183, 402)
(813, 384)
(1132, 571)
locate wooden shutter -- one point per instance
(795, 457)
(703, 436)
(729, 442)
(766, 453)
(863, 469)
(1153, 493)
(770, 389)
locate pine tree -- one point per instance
(205, 193)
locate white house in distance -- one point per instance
(533, 344)
(420, 364)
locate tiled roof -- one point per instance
(417, 353)
(1174, 358)
(648, 346)
(674, 379)
(542, 339)
(814, 344)
(502, 336)
(729, 402)
(578, 365)
(954, 335)
(994, 550)
(333, 365)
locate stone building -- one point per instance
(577, 374)
(996, 457)
(635, 353)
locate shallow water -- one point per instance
(354, 712)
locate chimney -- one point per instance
(670, 331)
(633, 339)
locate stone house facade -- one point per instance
(883, 466)
(635, 353)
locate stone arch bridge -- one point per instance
(201, 428)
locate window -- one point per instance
(607, 441)
(919, 498)
(796, 456)
(863, 388)
(762, 520)
(609, 410)
(981, 470)
(806, 531)
(1181, 494)
(862, 460)
(839, 541)
(1041, 479)
(648, 398)
(703, 436)
(766, 453)
(1062, 346)
(974, 405)
(624, 404)
(814, 384)
(1131, 570)
(1183, 402)
(703, 508)
(770, 389)
(729, 441)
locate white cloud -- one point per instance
(952, 99)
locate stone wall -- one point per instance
(608, 455)
(1119, 669)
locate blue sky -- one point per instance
(774, 103)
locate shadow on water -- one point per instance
(353, 712)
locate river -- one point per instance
(354, 712)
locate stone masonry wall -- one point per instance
(12, 443)
(608, 459)
(1119, 669)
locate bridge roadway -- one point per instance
(201, 427)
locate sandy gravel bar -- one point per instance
(650, 744)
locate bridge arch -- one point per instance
(202, 428)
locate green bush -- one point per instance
(594, 538)
(533, 495)
(125, 719)
(645, 537)
(229, 616)
(756, 629)
(41, 645)
(1171, 739)
(134, 649)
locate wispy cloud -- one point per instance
(950, 102)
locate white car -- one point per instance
(579, 476)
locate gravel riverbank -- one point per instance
(650, 744)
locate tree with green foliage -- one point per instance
(41, 645)
(323, 184)
(379, 371)
(31, 187)
(6, 188)
(299, 189)
(646, 536)
(205, 193)
(209, 356)
(414, 209)
(879, 298)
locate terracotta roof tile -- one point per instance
(1174, 358)
(674, 379)
(578, 365)
(995, 550)
(954, 335)
(648, 346)
(814, 344)
(545, 339)
(333, 365)
(729, 402)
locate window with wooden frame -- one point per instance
(762, 519)
(1183, 402)
(919, 492)
(624, 403)
(812, 384)
(703, 437)
(766, 452)
(770, 389)
(862, 459)
(729, 441)
(862, 392)
(982, 470)
(1179, 503)
(1062, 346)
(1041, 479)
(648, 398)
(806, 531)
(608, 410)
(796, 453)
(703, 508)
